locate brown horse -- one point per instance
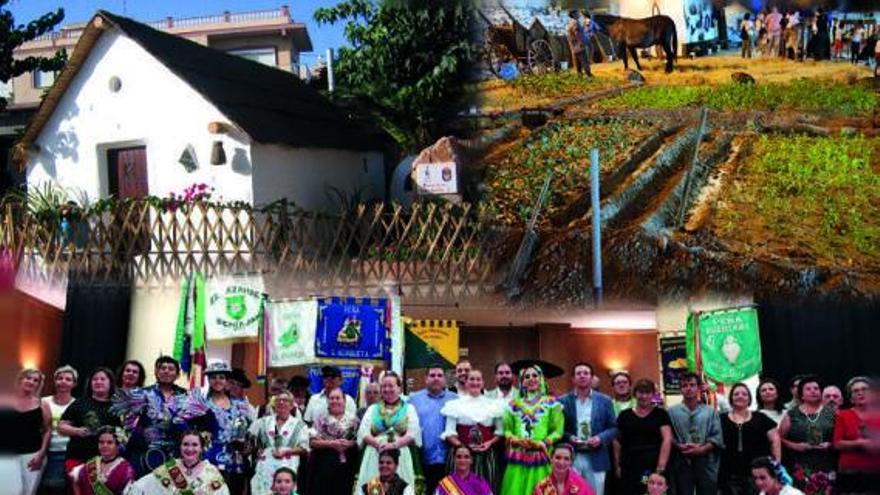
(629, 34)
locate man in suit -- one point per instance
(590, 425)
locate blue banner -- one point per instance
(351, 329)
(351, 376)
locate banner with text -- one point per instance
(431, 343)
(730, 344)
(235, 308)
(352, 328)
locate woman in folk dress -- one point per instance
(189, 475)
(281, 438)
(391, 423)
(474, 420)
(108, 473)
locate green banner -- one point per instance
(730, 344)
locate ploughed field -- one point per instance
(783, 199)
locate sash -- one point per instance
(93, 470)
(449, 487)
(171, 474)
(178, 479)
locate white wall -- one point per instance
(153, 108)
(153, 325)
(303, 175)
(672, 8)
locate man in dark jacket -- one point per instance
(590, 425)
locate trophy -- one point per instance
(584, 431)
(475, 438)
(814, 435)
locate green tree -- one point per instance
(12, 36)
(407, 63)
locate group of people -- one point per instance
(121, 437)
(791, 35)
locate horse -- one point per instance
(629, 34)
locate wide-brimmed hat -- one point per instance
(218, 367)
(240, 376)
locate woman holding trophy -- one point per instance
(281, 439)
(533, 422)
(391, 424)
(474, 420)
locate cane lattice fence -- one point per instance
(426, 251)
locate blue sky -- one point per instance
(323, 37)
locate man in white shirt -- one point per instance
(504, 383)
(317, 406)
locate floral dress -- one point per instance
(332, 473)
(293, 434)
(228, 429)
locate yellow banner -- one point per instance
(440, 336)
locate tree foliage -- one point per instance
(407, 62)
(12, 36)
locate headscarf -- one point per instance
(522, 387)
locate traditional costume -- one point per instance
(149, 420)
(294, 433)
(332, 473)
(574, 485)
(388, 424)
(173, 478)
(457, 485)
(396, 486)
(537, 417)
(475, 420)
(97, 477)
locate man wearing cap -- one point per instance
(428, 403)
(318, 403)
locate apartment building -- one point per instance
(271, 37)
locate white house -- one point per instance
(138, 111)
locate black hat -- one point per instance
(240, 376)
(550, 370)
(299, 382)
(331, 372)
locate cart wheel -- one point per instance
(540, 58)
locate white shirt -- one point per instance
(788, 490)
(58, 442)
(584, 411)
(496, 394)
(318, 406)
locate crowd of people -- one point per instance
(796, 36)
(122, 437)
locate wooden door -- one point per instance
(128, 172)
